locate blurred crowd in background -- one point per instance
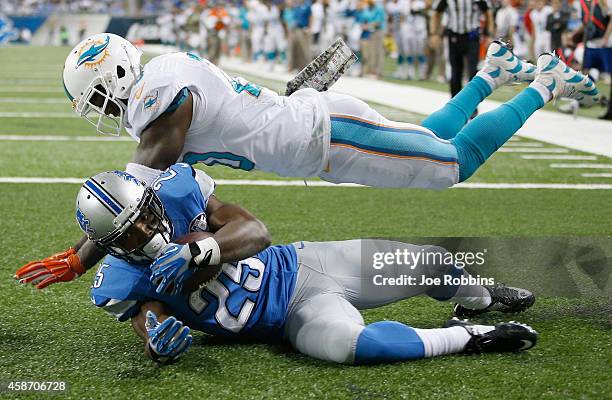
(287, 34)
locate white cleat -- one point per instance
(564, 82)
(504, 67)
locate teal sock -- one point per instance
(448, 121)
(489, 131)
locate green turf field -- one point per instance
(57, 334)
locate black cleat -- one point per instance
(503, 298)
(506, 337)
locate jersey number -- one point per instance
(99, 276)
(164, 176)
(252, 283)
(215, 157)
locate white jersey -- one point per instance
(317, 18)
(506, 19)
(415, 21)
(234, 122)
(395, 12)
(538, 18)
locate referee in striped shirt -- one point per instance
(463, 32)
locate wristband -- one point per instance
(209, 252)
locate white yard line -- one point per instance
(28, 100)
(31, 89)
(18, 81)
(16, 114)
(558, 157)
(532, 150)
(582, 166)
(524, 144)
(60, 138)
(248, 182)
(600, 175)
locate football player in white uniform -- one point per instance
(182, 108)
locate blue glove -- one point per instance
(171, 267)
(167, 340)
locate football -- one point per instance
(202, 275)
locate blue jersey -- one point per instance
(249, 297)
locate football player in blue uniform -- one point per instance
(307, 293)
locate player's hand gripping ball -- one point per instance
(171, 268)
(174, 271)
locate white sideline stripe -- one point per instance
(524, 144)
(560, 157)
(41, 180)
(37, 115)
(600, 175)
(248, 182)
(31, 89)
(27, 81)
(514, 139)
(581, 166)
(59, 138)
(27, 100)
(532, 150)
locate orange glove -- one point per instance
(60, 267)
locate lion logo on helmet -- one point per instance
(84, 222)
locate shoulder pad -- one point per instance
(150, 98)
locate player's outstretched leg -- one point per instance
(480, 138)
(501, 67)
(390, 341)
(336, 279)
(326, 326)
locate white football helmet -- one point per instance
(112, 208)
(98, 76)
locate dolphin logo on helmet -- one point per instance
(95, 54)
